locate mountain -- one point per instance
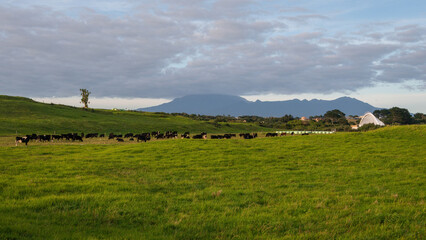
(216, 104)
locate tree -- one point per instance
(336, 116)
(401, 115)
(384, 115)
(420, 118)
(85, 97)
(394, 115)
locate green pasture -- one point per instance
(367, 185)
(23, 116)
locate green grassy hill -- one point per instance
(367, 185)
(25, 116)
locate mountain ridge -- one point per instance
(219, 104)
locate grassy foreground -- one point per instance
(25, 116)
(349, 185)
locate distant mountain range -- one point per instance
(215, 104)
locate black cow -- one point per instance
(248, 135)
(171, 134)
(143, 137)
(66, 136)
(120, 140)
(225, 136)
(77, 138)
(92, 135)
(203, 135)
(32, 136)
(271, 134)
(56, 137)
(111, 136)
(128, 135)
(44, 138)
(216, 137)
(229, 135)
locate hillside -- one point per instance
(341, 186)
(25, 116)
(215, 104)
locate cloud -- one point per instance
(410, 33)
(303, 19)
(173, 48)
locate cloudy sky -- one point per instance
(133, 54)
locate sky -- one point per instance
(133, 54)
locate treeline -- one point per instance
(331, 120)
(401, 116)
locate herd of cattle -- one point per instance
(133, 137)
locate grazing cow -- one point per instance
(225, 136)
(32, 136)
(111, 136)
(22, 140)
(66, 136)
(128, 135)
(271, 134)
(283, 134)
(120, 140)
(102, 135)
(154, 134)
(77, 138)
(44, 138)
(229, 135)
(143, 137)
(216, 136)
(171, 134)
(131, 139)
(56, 137)
(203, 135)
(185, 135)
(92, 135)
(160, 136)
(249, 136)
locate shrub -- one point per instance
(368, 127)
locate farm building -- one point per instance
(370, 118)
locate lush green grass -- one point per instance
(24, 116)
(345, 186)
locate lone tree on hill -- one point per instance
(85, 97)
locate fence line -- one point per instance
(304, 132)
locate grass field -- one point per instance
(25, 116)
(342, 186)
